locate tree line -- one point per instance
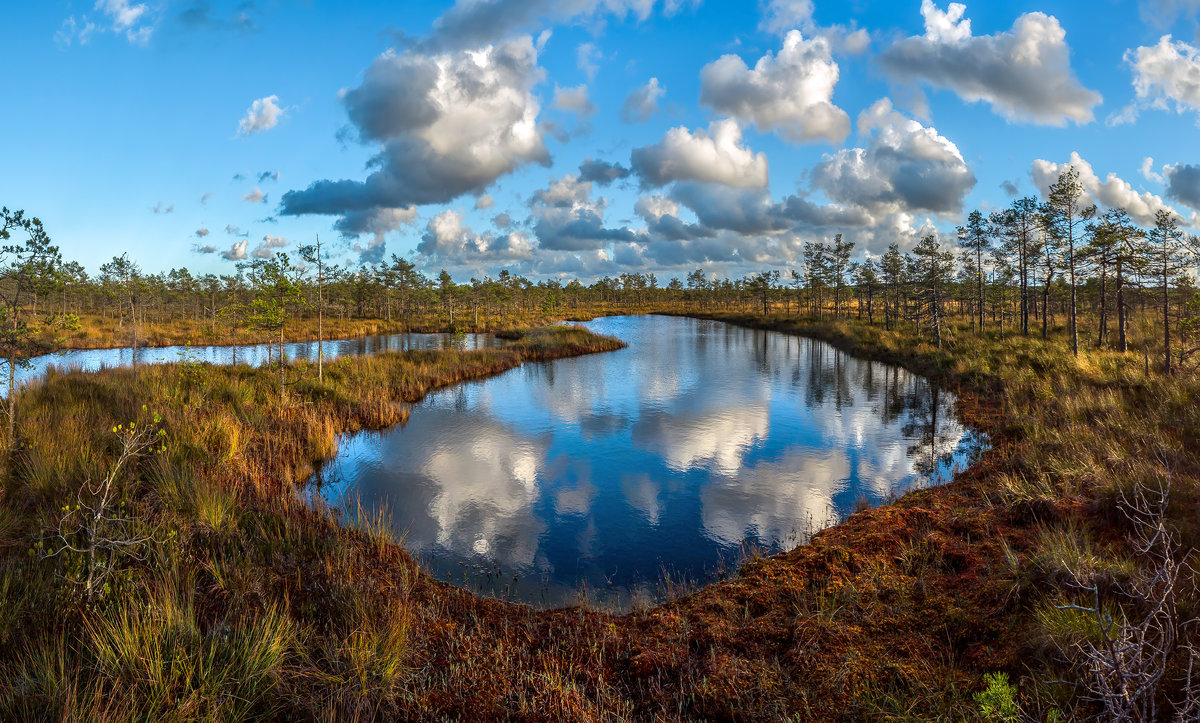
(1021, 269)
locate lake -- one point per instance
(615, 478)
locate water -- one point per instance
(252, 354)
(603, 476)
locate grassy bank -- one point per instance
(233, 600)
(902, 609)
(217, 593)
(105, 332)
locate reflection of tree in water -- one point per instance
(930, 424)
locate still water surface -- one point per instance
(252, 354)
(605, 475)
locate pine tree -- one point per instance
(1065, 219)
(975, 240)
(934, 269)
(1166, 258)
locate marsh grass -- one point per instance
(304, 612)
(260, 602)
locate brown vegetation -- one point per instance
(261, 606)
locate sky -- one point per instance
(581, 138)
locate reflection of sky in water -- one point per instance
(252, 354)
(671, 455)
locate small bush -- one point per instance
(998, 701)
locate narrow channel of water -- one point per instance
(606, 476)
(252, 354)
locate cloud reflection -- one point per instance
(604, 470)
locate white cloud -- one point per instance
(1166, 74)
(782, 16)
(1112, 192)
(237, 252)
(790, 93)
(1023, 73)
(132, 19)
(574, 100)
(642, 103)
(449, 124)
(378, 222)
(255, 196)
(484, 202)
(713, 156)
(1148, 171)
(586, 56)
(905, 167)
(136, 21)
(201, 232)
(266, 247)
(263, 115)
(472, 23)
(448, 240)
(567, 218)
(652, 208)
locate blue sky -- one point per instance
(454, 134)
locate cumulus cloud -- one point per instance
(1166, 75)
(233, 230)
(266, 247)
(449, 124)
(484, 202)
(1148, 172)
(448, 240)
(255, 196)
(662, 217)
(602, 172)
(745, 211)
(268, 176)
(1024, 73)
(205, 249)
(713, 156)
(567, 218)
(471, 23)
(642, 103)
(161, 208)
(237, 252)
(1183, 184)
(782, 16)
(376, 223)
(905, 166)
(574, 100)
(790, 93)
(201, 232)
(1112, 192)
(1010, 189)
(263, 115)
